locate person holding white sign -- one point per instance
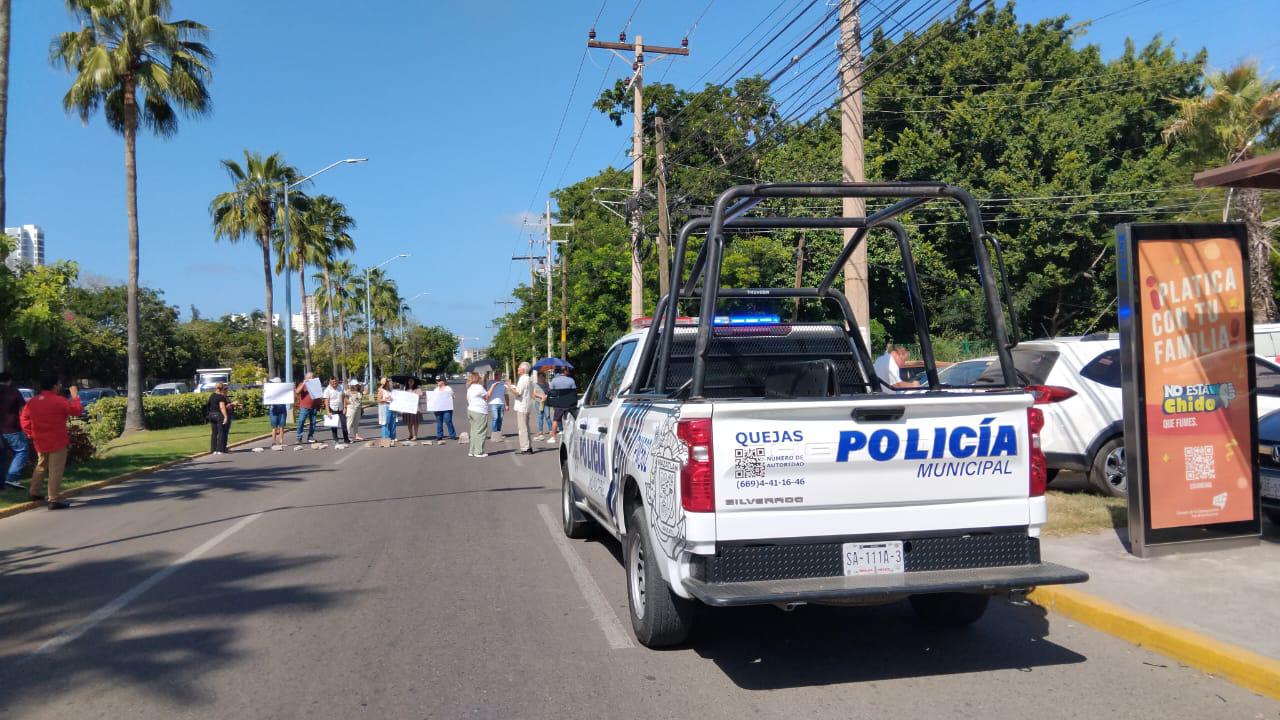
(441, 403)
(334, 406)
(307, 407)
(385, 413)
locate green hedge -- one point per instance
(106, 416)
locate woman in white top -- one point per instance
(355, 408)
(478, 414)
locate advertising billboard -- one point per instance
(1186, 338)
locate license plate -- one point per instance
(1271, 487)
(878, 558)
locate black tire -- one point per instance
(659, 617)
(575, 523)
(951, 610)
(1274, 515)
(1108, 473)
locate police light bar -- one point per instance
(745, 320)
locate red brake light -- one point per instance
(1044, 394)
(698, 476)
(1039, 479)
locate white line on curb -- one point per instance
(613, 632)
(132, 594)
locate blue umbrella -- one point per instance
(552, 362)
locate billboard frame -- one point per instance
(1144, 540)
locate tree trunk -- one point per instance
(133, 417)
(306, 324)
(342, 332)
(328, 306)
(265, 240)
(4, 108)
(1260, 291)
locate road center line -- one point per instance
(617, 637)
(133, 593)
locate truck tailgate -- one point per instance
(916, 462)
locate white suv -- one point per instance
(1079, 392)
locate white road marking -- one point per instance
(614, 633)
(132, 594)
(346, 454)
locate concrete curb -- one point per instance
(1245, 668)
(98, 484)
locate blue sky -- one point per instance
(455, 104)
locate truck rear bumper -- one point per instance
(871, 588)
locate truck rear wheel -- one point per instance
(950, 609)
(575, 522)
(659, 617)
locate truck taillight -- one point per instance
(1044, 394)
(1039, 465)
(698, 476)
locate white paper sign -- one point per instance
(277, 393)
(315, 389)
(403, 401)
(440, 400)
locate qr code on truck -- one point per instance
(748, 462)
(1199, 460)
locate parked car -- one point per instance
(1079, 389)
(964, 373)
(169, 389)
(89, 396)
(913, 370)
(1269, 463)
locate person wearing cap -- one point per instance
(44, 420)
(278, 414)
(444, 418)
(355, 408)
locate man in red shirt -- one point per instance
(44, 420)
(306, 410)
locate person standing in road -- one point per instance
(497, 397)
(478, 414)
(544, 411)
(560, 384)
(385, 415)
(278, 415)
(334, 404)
(444, 418)
(889, 367)
(411, 419)
(219, 413)
(306, 410)
(11, 404)
(44, 420)
(355, 408)
(523, 404)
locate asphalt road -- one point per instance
(415, 582)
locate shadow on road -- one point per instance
(163, 643)
(192, 481)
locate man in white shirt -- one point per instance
(524, 404)
(889, 367)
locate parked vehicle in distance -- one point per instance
(206, 378)
(1269, 464)
(964, 373)
(1077, 383)
(169, 389)
(26, 393)
(913, 370)
(1266, 341)
(89, 396)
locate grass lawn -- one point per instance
(144, 449)
(1081, 511)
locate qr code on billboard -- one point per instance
(748, 462)
(1199, 460)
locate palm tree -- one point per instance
(330, 221)
(1225, 126)
(123, 47)
(251, 210)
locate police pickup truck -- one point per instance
(745, 460)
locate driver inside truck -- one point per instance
(889, 367)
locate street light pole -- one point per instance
(368, 316)
(288, 284)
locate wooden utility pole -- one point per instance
(637, 145)
(548, 265)
(852, 159)
(664, 212)
(564, 305)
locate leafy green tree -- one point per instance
(1240, 114)
(121, 48)
(252, 209)
(96, 344)
(32, 303)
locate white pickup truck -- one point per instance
(744, 460)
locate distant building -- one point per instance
(30, 250)
(471, 355)
(314, 330)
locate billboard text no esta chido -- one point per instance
(1186, 337)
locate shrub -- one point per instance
(250, 403)
(106, 416)
(82, 446)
